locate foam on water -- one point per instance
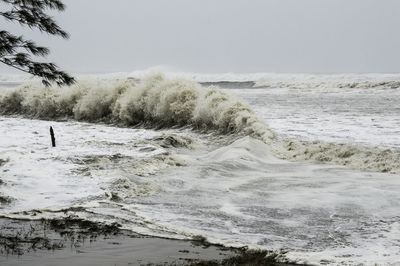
(37, 176)
(161, 103)
(333, 114)
(318, 213)
(229, 187)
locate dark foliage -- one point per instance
(17, 52)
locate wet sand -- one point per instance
(77, 242)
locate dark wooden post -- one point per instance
(53, 139)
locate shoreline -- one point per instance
(73, 241)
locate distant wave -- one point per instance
(287, 81)
(162, 102)
(329, 84)
(247, 80)
(284, 80)
(230, 84)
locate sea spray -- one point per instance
(154, 101)
(158, 102)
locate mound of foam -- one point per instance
(154, 101)
(366, 158)
(246, 148)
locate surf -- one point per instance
(159, 102)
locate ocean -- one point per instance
(306, 165)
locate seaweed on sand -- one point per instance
(21, 236)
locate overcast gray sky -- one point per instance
(212, 36)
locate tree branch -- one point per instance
(16, 52)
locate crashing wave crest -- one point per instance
(154, 101)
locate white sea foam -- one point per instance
(229, 187)
(241, 194)
(89, 161)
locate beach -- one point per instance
(77, 242)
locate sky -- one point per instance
(218, 36)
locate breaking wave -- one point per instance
(156, 101)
